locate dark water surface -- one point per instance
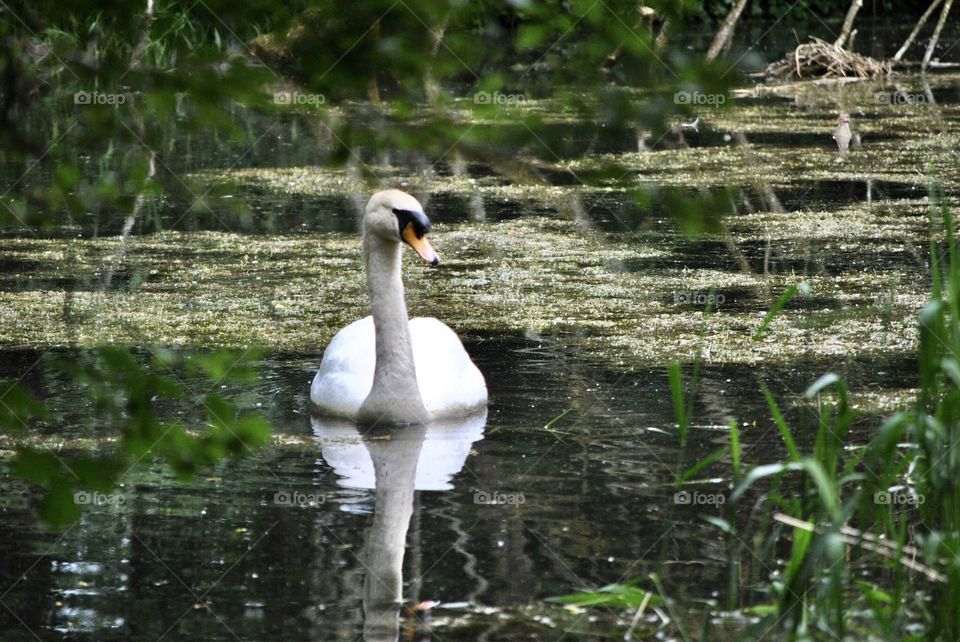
(273, 547)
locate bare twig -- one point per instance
(848, 22)
(636, 616)
(722, 39)
(436, 35)
(854, 537)
(936, 34)
(913, 34)
(146, 23)
(645, 18)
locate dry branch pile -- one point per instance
(819, 59)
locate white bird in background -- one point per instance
(842, 133)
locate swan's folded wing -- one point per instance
(346, 372)
(450, 383)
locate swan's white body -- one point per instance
(450, 383)
(386, 368)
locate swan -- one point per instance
(387, 368)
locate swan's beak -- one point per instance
(420, 244)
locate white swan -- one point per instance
(384, 368)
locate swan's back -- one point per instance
(450, 383)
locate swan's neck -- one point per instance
(395, 395)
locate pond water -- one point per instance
(572, 299)
(587, 502)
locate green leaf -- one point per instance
(119, 362)
(58, 508)
(17, 406)
(780, 423)
(798, 554)
(827, 492)
(531, 35)
(676, 392)
(226, 365)
(36, 466)
(98, 473)
(220, 411)
(933, 340)
(253, 430)
(612, 595)
(735, 448)
(760, 472)
(66, 176)
(777, 308)
(952, 368)
(706, 462)
(874, 593)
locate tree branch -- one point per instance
(722, 39)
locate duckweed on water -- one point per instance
(556, 274)
(536, 274)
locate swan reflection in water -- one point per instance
(394, 463)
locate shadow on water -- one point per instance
(802, 195)
(250, 209)
(709, 137)
(798, 140)
(785, 256)
(649, 212)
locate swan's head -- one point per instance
(396, 216)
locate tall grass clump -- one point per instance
(874, 530)
(858, 535)
(935, 424)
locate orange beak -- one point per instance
(421, 245)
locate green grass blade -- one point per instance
(706, 462)
(777, 308)
(735, 449)
(780, 423)
(676, 392)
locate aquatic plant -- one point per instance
(873, 528)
